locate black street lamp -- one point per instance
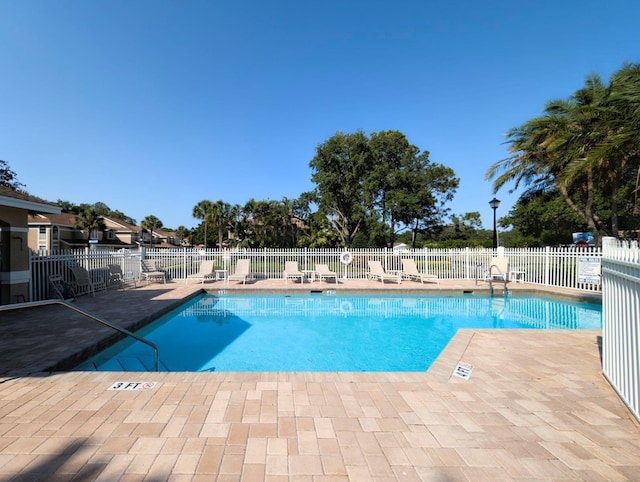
(494, 203)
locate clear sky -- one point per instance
(151, 106)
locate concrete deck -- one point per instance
(535, 408)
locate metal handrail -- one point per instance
(489, 277)
(124, 331)
(504, 278)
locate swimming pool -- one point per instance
(319, 332)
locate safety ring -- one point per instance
(346, 307)
(346, 257)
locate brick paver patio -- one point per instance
(535, 408)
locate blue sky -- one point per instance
(152, 106)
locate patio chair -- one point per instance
(82, 282)
(59, 288)
(291, 271)
(376, 271)
(323, 272)
(410, 271)
(241, 273)
(150, 271)
(116, 276)
(204, 273)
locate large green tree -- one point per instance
(382, 184)
(339, 170)
(408, 191)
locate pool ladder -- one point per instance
(33, 304)
(503, 280)
(502, 277)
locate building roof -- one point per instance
(62, 219)
(21, 200)
(115, 223)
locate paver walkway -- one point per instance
(535, 408)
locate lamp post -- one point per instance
(494, 203)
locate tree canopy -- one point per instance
(585, 149)
(8, 178)
(381, 183)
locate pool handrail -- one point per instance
(32, 304)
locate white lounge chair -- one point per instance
(291, 271)
(323, 272)
(410, 271)
(150, 271)
(376, 271)
(241, 273)
(204, 273)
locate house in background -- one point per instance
(166, 239)
(15, 207)
(119, 234)
(50, 232)
(400, 247)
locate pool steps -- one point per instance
(123, 364)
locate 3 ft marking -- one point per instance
(132, 386)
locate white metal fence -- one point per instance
(545, 266)
(45, 264)
(621, 320)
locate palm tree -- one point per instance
(542, 149)
(202, 211)
(89, 220)
(220, 217)
(150, 223)
(585, 147)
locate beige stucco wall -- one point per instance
(14, 255)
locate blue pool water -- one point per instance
(319, 332)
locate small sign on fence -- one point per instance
(589, 270)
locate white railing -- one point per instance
(557, 267)
(621, 319)
(44, 264)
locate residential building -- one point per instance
(15, 207)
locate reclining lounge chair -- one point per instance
(376, 271)
(204, 273)
(323, 272)
(241, 273)
(410, 271)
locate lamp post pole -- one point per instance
(494, 203)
